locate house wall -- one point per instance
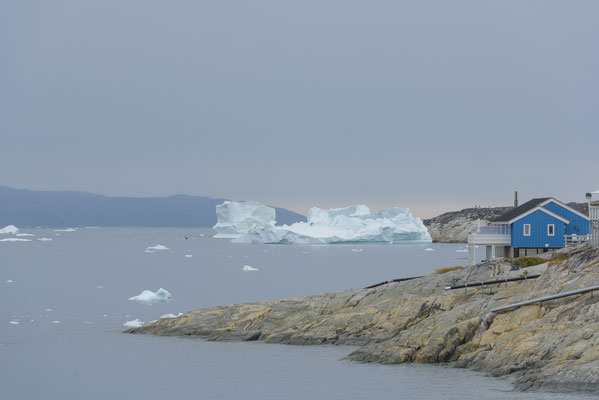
(577, 225)
(538, 221)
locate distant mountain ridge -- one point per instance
(31, 208)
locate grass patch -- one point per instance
(525, 262)
(557, 259)
(447, 269)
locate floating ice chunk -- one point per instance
(56, 322)
(44, 239)
(249, 268)
(136, 323)
(254, 223)
(357, 250)
(429, 249)
(148, 296)
(48, 309)
(10, 281)
(157, 247)
(99, 287)
(66, 230)
(88, 322)
(170, 316)
(10, 229)
(189, 255)
(201, 234)
(14, 322)
(25, 234)
(15, 240)
(235, 219)
(149, 251)
(462, 250)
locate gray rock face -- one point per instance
(548, 346)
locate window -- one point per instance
(526, 229)
(550, 230)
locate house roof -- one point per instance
(541, 209)
(529, 205)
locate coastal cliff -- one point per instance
(546, 346)
(454, 226)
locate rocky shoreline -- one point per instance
(547, 346)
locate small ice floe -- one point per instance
(147, 296)
(305, 252)
(15, 240)
(56, 322)
(429, 249)
(88, 322)
(66, 230)
(44, 239)
(462, 251)
(357, 249)
(10, 281)
(136, 323)
(48, 309)
(171, 315)
(105, 315)
(249, 268)
(157, 247)
(188, 255)
(149, 251)
(10, 229)
(99, 287)
(14, 322)
(24, 234)
(201, 234)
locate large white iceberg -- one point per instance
(354, 224)
(236, 219)
(10, 229)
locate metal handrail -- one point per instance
(484, 283)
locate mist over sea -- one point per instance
(63, 303)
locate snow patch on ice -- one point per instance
(148, 296)
(9, 229)
(15, 240)
(136, 323)
(249, 268)
(252, 222)
(157, 247)
(44, 239)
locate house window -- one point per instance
(550, 230)
(526, 229)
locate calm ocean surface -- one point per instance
(61, 319)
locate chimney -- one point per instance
(515, 199)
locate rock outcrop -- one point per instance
(546, 346)
(454, 226)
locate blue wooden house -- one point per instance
(537, 226)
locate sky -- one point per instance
(431, 105)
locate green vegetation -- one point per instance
(595, 203)
(447, 269)
(525, 262)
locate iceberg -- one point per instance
(148, 296)
(251, 223)
(10, 229)
(136, 323)
(157, 247)
(234, 219)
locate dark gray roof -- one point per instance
(529, 205)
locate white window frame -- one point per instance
(524, 229)
(552, 229)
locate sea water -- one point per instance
(63, 303)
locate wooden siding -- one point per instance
(538, 221)
(577, 225)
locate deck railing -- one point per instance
(494, 230)
(573, 240)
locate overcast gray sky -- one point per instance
(432, 105)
